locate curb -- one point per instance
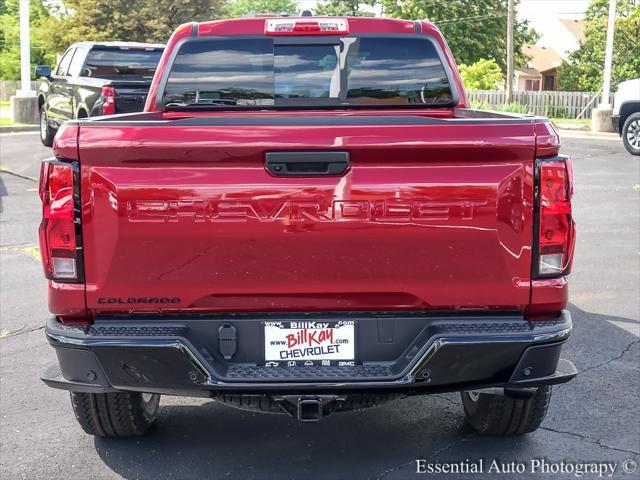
(588, 134)
(19, 128)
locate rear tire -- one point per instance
(503, 415)
(631, 134)
(122, 414)
(46, 132)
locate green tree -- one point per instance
(352, 8)
(482, 75)
(127, 20)
(239, 8)
(474, 29)
(39, 16)
(161, 17)
(584, 69)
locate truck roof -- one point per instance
(118, 44)
(255, 26)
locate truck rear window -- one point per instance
(352, 71)
(108, 63)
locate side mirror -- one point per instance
(43, 71)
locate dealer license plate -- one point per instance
(292, 344)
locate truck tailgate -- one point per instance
(183, 215)
(131, 96)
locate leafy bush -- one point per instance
(513, 107)
(482, 75)
(478, 105)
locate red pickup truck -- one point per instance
(307, 218)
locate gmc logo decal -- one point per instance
(300, 211)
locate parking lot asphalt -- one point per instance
(594, 418)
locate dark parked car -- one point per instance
(94, 79)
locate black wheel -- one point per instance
(121, 414)
(631, 134)
(46, 132)
(503, 415)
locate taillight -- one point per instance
(555, 226)
(304, 26)
(108, 95)
(60, 238)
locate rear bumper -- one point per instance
(409, 353)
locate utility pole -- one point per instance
(608, 56)
(24, 106)
(25, 52)
(601, 116)
(510, 15)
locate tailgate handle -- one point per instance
(303, 164)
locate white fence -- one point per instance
(551, 104)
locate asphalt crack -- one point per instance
(448, 447)
(439, 451)
(393, 469)
(618, 357)
(21, 331)
(19, 175)
(455, 404)
(590, 440)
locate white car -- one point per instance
(626, 114)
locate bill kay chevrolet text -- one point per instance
(307, 219)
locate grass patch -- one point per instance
(5, 115)
(572, 121)
(5, 110)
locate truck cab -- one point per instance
(93, 79)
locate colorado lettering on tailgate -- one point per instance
(290, 211)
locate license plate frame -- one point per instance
(339, 334)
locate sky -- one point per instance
(536, 10)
